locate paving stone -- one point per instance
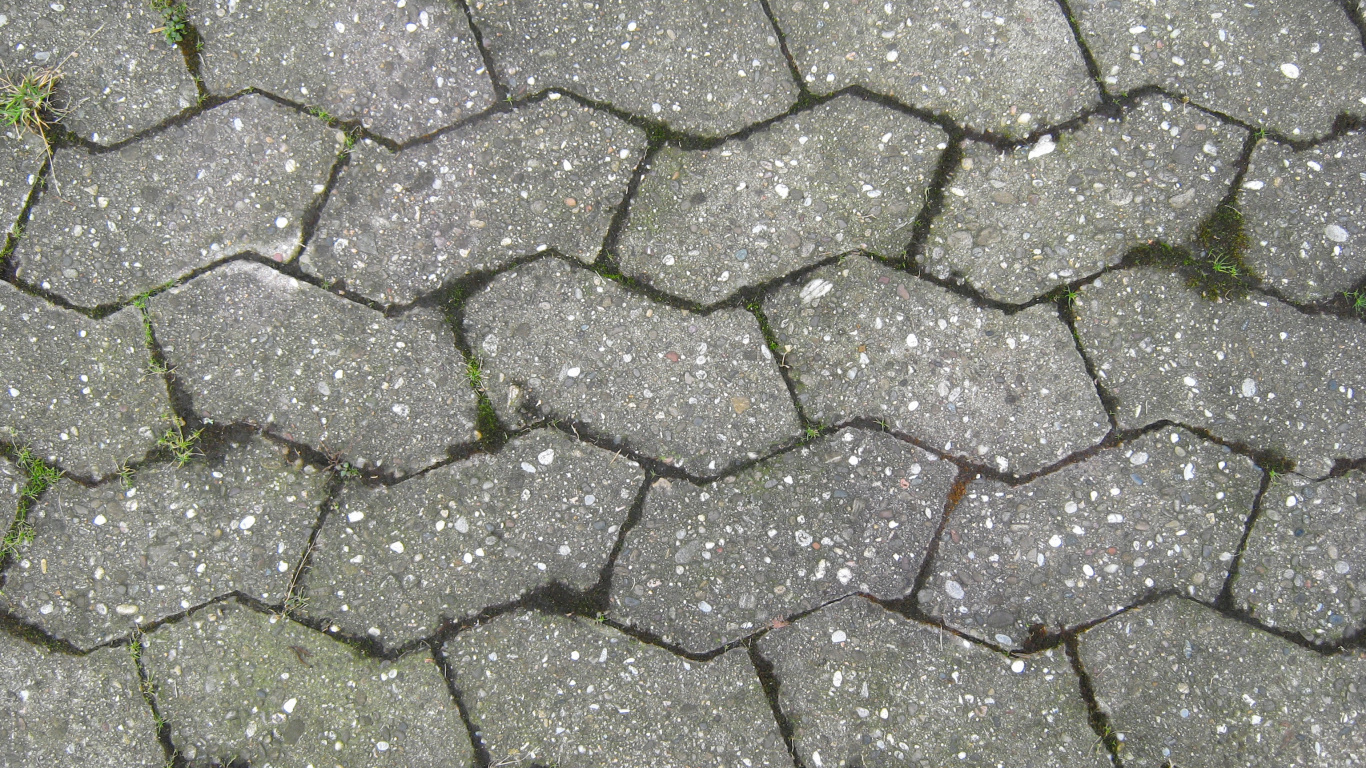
(549, 175)
(77, 391)
(852, 513)
(255, 346)
(392, 562)
(104, 559)
(116, 79)
(847, 174)
(1254, 371)
(21, 157)
(1019, 224)
(1010, 390)
(1303, 212)
(1186, 686)
(1304, 559)
(947, 57)
(233, 683)
(863, 686)
(1164, 512)
(570, 692)
(1291, 66)
(73, 710)
(237, 178)
(710, 68)
(401, 70)
(699, 391)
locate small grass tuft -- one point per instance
(40, 478)
(1216, 269)
(174, 26)
(26, 103)
(1357, 300)
(179, 443)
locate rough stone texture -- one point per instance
(255, 346)
(847, 174)
(79, 711)
(1304, 213)
(77, 391)
(945, 56)
(1185, 686)
(574, 694)
(699, 391)
(403, 70)
(548, 176)
(116, 79)
(392, 562)
(1304, 559)
(709, 68)
(235, 179)
(234, 683)
(105, 559)
(1019, 224)
(864, 686)
(21, 157)
(12, 481)
(1164, 512)
(854, 512)
(1291, 65)
(1254, 371)
(867, 341)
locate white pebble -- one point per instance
(289, 706)
(704, 606)
(838, 636)
(546, 457)
(1290, 70)
(397, 547)
(1335, 233)
(1017, 666)
(247, 522)
(954, 589)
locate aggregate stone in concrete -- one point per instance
(236, 684)
(392, 562)
(867, 341)
(547, 176)
(77, 391)
(403, 69)
(1184, 685)
(1305, 556)
(73, 710)
(1020, 223)
(116, 79)
(1291, 66)
(710, 68)
(1001, 65)
(21, 157)
(847, 174)
(1164, 512)
(569, 692)
(104, 559)
(863, 686)
(854, 512)
(1254, 371)
(1304, 214)
(238, 178)
(258, 347)
(699, 391)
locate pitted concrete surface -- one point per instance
(750, 383)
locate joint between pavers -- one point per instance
(1097, 717)
(772, 687)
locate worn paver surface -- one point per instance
(743, 383)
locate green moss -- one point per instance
(1216, 267)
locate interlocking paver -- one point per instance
(711, 68)
(854, 512)
(258, 347)
(108, 558)
(236, 684)
(1291, 66)
(863, 686)
(1254, 371)
(944, 56)
(1164, 512)
(235, 179)
(1304, 559)
(847, 174)
(393, 561)
(568, 692)
(1018, 224)
(82, 396)
(21, 157)
(403, 69)
(548, 176)
(867, 341)
(700, 391)
(1186, 686)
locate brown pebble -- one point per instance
(571, 202)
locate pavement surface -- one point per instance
(748, 383)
